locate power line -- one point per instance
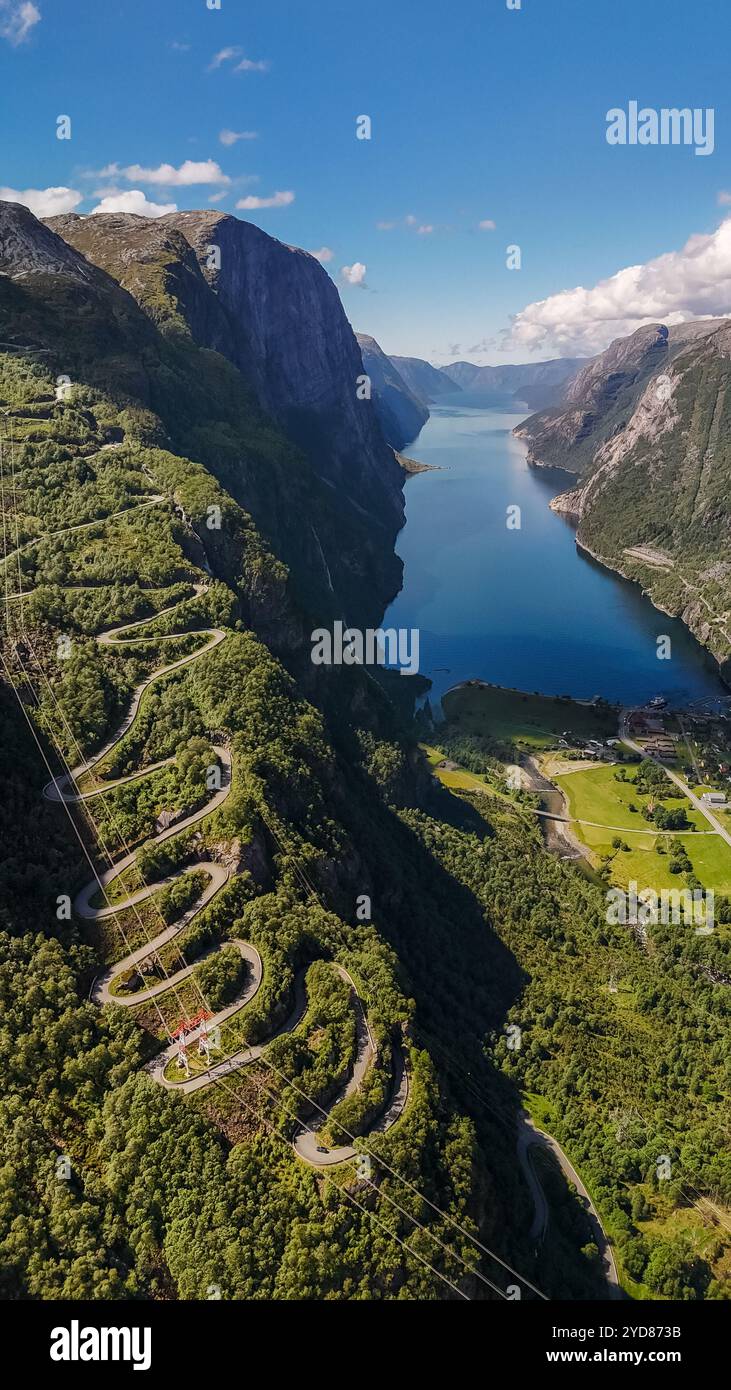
(270, 1066)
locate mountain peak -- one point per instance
(29, 247)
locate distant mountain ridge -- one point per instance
(426, 382)
(512, 376)
(405, 387)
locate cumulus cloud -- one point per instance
(17, 20)
(425, 229)
(354, 274)
(694, 282)
(230, 137)
(277, 200)
(43, 202)
(487, 225)
(323, 255)
(724, 199)
(133, 200)
(190, 172)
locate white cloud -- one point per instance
(487, 225)
(216, 197)
(323, 255)
(694, 282)
(17, 20)
(44, 202)
(277, 200)
(227, 55)
(224, 55)
(247, 65)
(133, 200)
(229, 137)
(724, 199)
(354, 274)
(166, 175)
(410, 221)
(179, 47)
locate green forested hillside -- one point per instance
(335, 849)
(645, 430)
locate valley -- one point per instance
(241, 915)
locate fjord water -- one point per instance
(522, 608)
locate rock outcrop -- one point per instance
(27, 248)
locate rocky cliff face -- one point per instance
(207, 279)
(600, 398)
(157, 266)
(292, 340)
(654, 462)
(401, 413)
(28, 248)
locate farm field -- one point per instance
(594, 794)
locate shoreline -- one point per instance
(695, 675)
(676, 617)
(540, 694)
(574, 516)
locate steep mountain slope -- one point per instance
(147, 619)
(645, 426)
(294, 342)
(428, 383)
(112, 531)
(331, 506)
(600, 397)
(511, 377)
(401, 413)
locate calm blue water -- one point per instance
(521, 608)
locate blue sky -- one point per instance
(479, 113)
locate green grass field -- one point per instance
(460, 778)
(530, 721)
(595, 795)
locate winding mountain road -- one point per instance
(64, 789)
(530, 1136)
